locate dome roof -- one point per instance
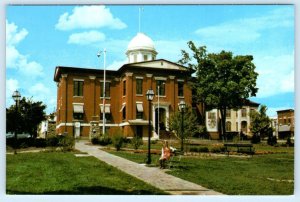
(141, 42)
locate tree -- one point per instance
(223, 81)
(260, 123)
(30, 114)
(189, 126)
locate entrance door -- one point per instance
(139, 131)
(161, 120)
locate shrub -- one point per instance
(136, 142)
(95, 140)
(104, 140)
(272, 140)
(40, 142)
(289, 142)
(218, 149)
(66, 142)
(153, 141)
(118, 139)
(52, 140)
(255, 139)
(199, 149)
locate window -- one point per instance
(211, 115)
(139, 86)
(228, 113)
(244, 112)
(161, 85)
(180, 88)
(145, 57)
(107, 112)
(107, 89)
(124, 87)
(124, 113)
(134, 58)
(107, 117)
(78, 116)
(228, 126)
(78, 88)
(139, 110)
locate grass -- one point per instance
(268, 174)
(63, 173)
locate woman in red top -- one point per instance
(165, 154)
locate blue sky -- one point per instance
(39, 38)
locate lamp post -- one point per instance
(182, 108)
(158, 125)
(150, 95)
(104, 80)
(16, 96)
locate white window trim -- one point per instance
(78, 79)
(160, 78)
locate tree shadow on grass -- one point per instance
(94, 190)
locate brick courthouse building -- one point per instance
(80, 101)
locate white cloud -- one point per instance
(89, 17)
(15, 59)
(276, 74)
(245, 30)
(13, 36)
(86, 38)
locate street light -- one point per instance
(104, 80)
(150, 95)
(16, 96)
(182, 108)
(158, 125)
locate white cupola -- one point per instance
(140, 49)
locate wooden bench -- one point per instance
(241, 148)
(174, 159)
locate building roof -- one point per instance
(152, 65)
(141, 42)
(286, 110)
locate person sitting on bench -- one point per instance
(165, 154)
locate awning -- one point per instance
(123, 105)
(107, 108)
(77, 108)
(139, 107)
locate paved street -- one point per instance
(152, 175)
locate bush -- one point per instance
(52, 140)
(255, 139)
(66, 142)
(118, 139)
(199, 149)
(289, 142)
(95, 140)
(218, 149)
(136, 142)
(104, 140)
(272, 140)
(40, 142)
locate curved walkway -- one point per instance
(152, 175)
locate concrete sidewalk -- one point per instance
(152, 175)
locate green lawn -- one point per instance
(268, 174)
(63, 173)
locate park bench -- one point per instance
(241, 148)
(174, 159)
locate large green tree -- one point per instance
(188, 124)
(223, 81)
(260, 123)
(26, 118)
